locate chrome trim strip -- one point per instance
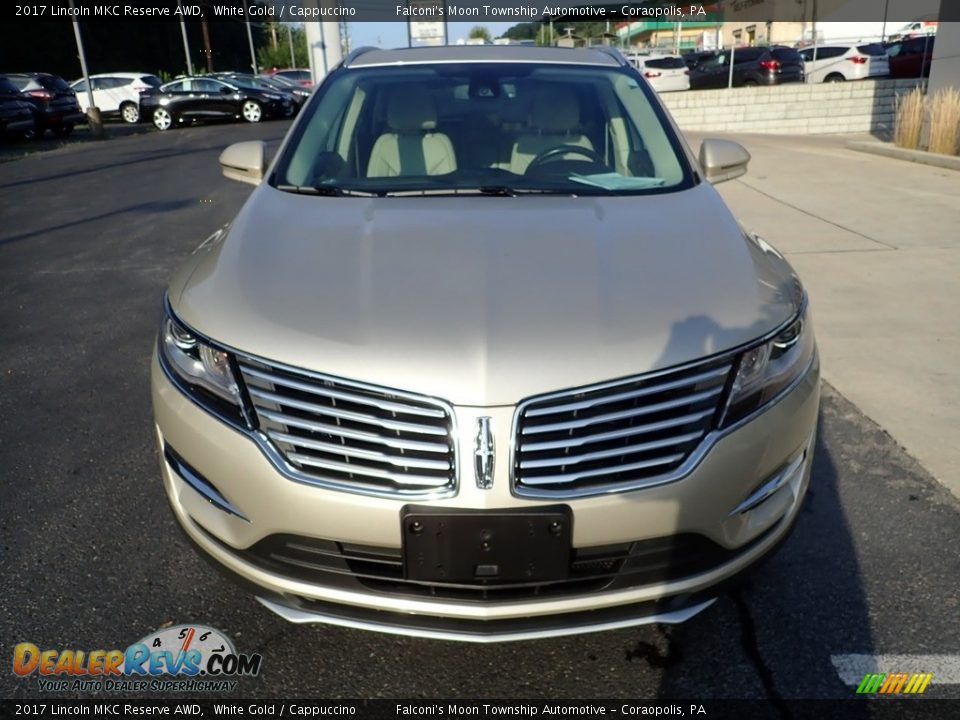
(331, 393)
(344, 414)
(568, 478)
(778, 480)
(419, 445)
(565, 460)
(201, 485)
(296, 615)
(623, 414)
(346, 450)
(483, 61)
(720, 373)
(614, 434)
(357, 487)
(399, 478)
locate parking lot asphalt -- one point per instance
(90, 555)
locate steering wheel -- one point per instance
(555, 152)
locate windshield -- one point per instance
(496, 128)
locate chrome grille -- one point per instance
(617, 435)
(350, 436)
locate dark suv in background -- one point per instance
(911, 57)
(54, 102)
(751, 66)
(16, 116)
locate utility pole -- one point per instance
(93, 113)
(293, 62)
(207, 51)
(253, 54)
(186, 45)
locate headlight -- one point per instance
(764, 371)
(203, 372)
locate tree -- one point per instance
(279, 56)
(523, 31)
(479, 32)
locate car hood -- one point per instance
(484, 300)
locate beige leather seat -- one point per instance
(411, 148)
(555, 114)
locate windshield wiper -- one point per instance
(325, 190)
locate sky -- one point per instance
(394, 34)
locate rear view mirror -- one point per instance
(723, 160)
(226, 91)
(244, 161)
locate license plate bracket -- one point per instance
(483, 547)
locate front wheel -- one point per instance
(252, 112)
(130, 113)
(162, 119)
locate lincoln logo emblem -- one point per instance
(484, 454)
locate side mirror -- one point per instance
(244, 161)
(226, 91)
(722, 160)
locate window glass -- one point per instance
(787, 55)
(873, 49)
(205, 85)
(745, 55)
(666, 63)
(52, 82)
(466, 127)
(8, 88)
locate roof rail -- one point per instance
(612, 52)
(354, 54)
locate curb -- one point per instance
(918, 156)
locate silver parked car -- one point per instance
(485, 356)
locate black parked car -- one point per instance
(54, 102)
(294, 93)
(751, 66)
(205, 98)
(16, 115)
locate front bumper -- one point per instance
(743, 496)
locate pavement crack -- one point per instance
(817, 217)
(751, 648)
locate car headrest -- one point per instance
(555, 109)
(411, 110)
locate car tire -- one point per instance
(162, 119)
(62, 130)
(834, 78)
(130, 113)
(750, 83)
(251, 111)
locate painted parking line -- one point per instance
(853, 668)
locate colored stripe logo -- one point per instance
(894, 683)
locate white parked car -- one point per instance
(666, 73)
(837, 63)
(116, 93)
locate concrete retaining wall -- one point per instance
(796, 109)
